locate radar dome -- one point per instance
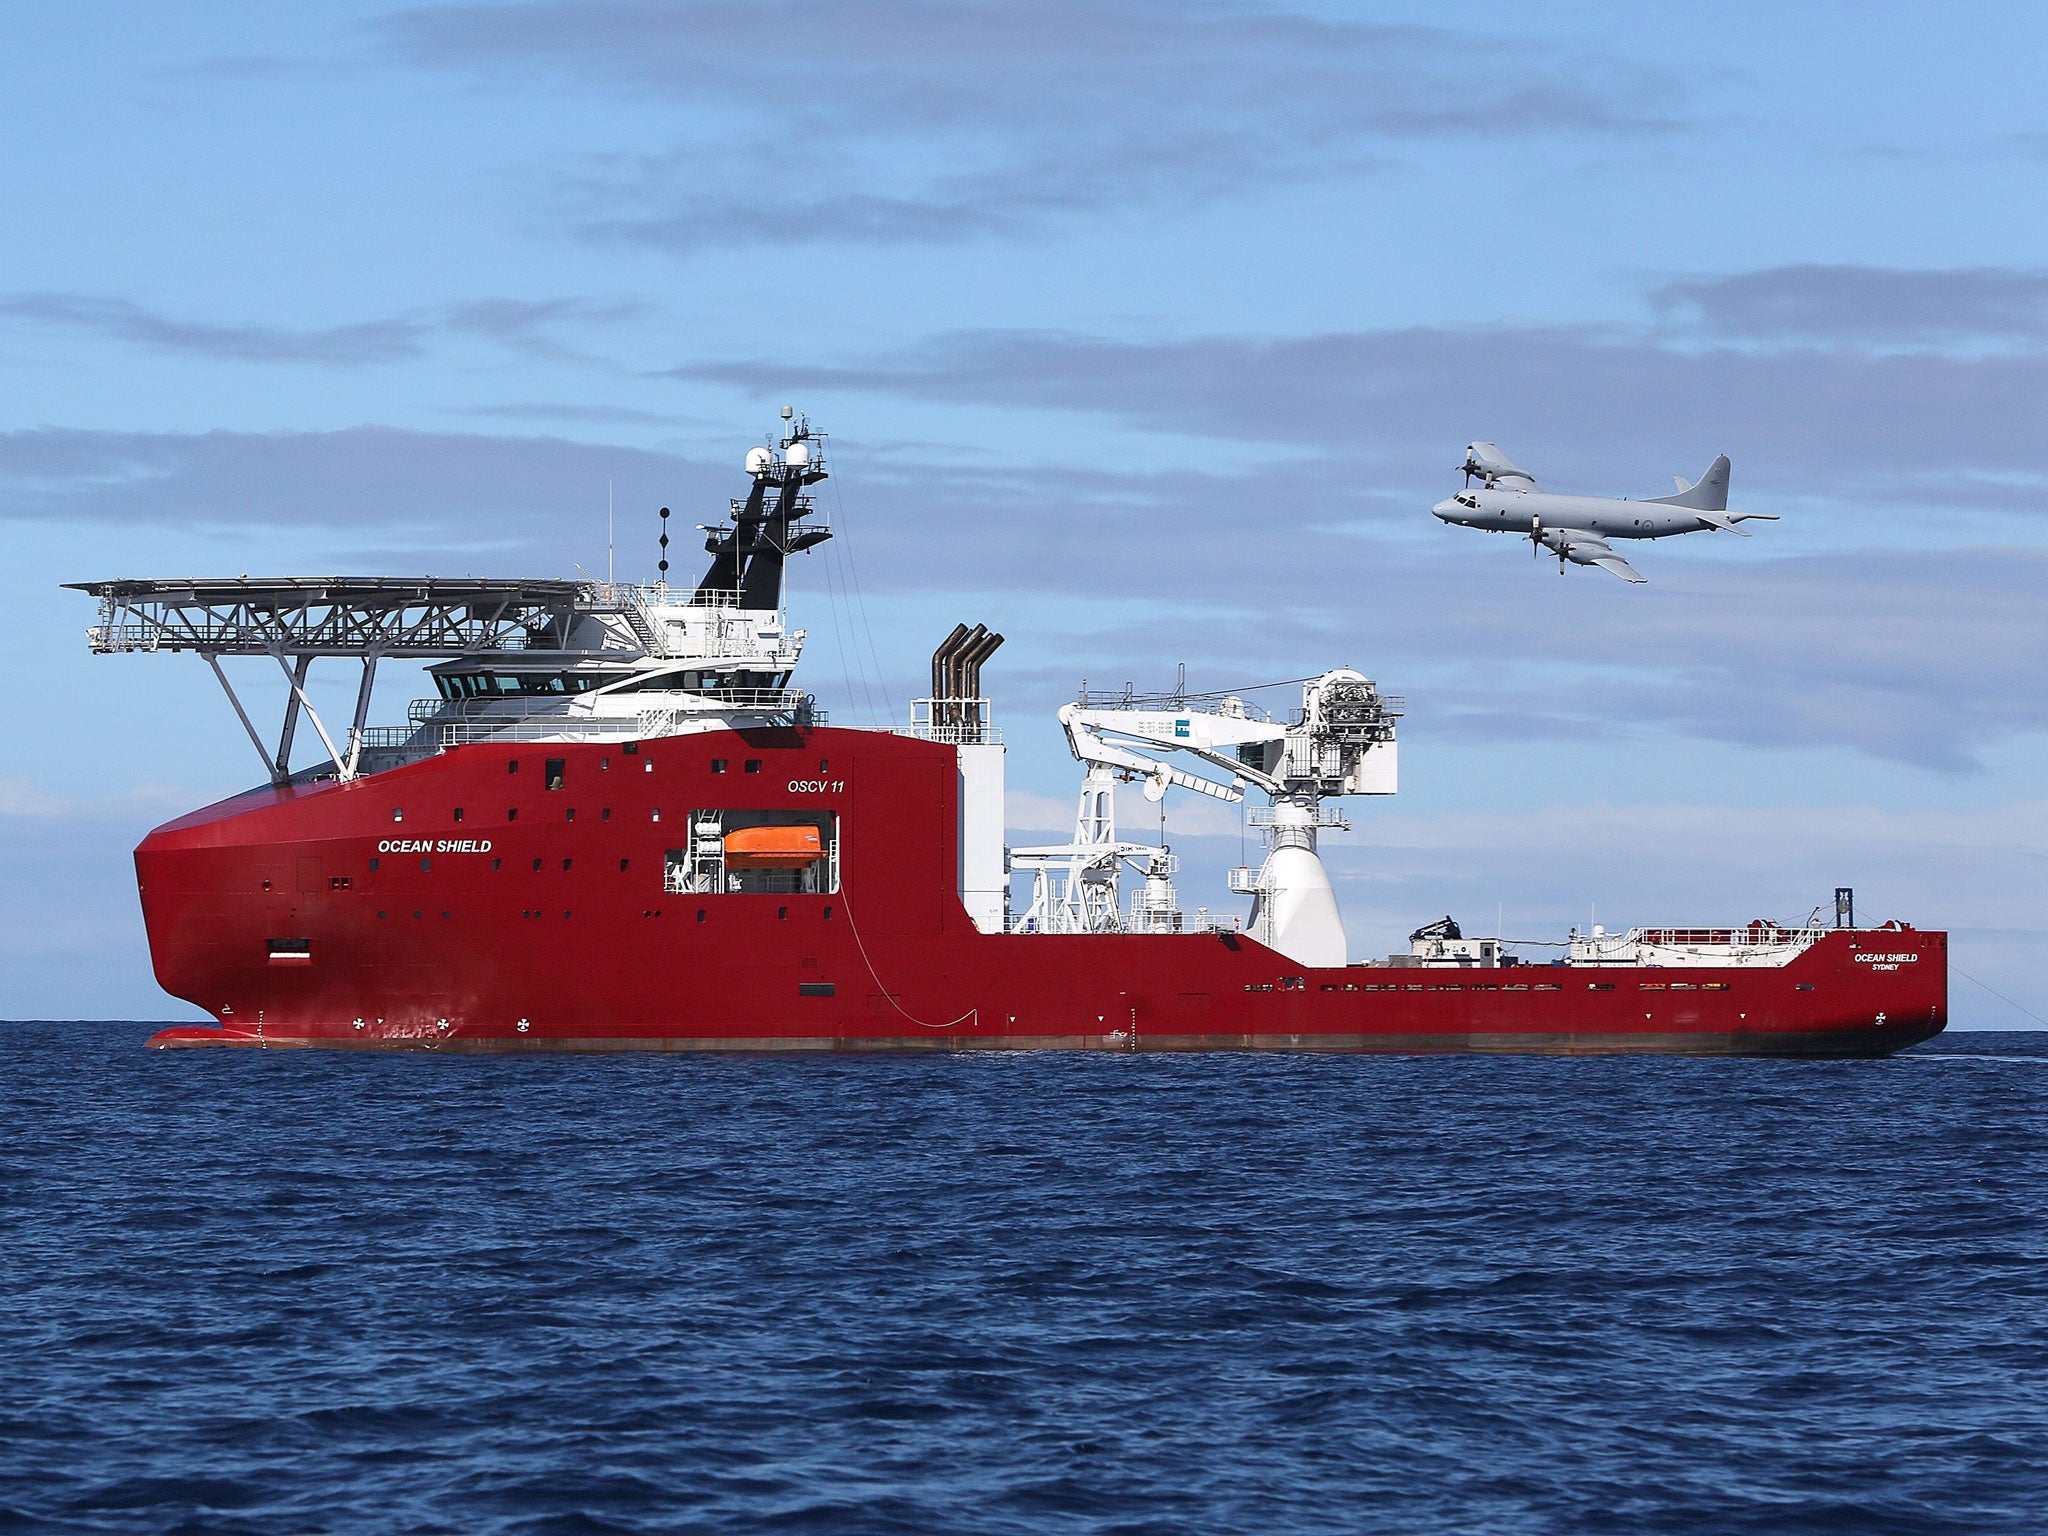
(758, 460)
(798, 456)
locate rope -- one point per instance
(890, 997)
(2023, 1008)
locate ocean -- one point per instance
(306, 1292)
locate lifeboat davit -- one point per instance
(773, 847)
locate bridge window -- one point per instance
(498, 685)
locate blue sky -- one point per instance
(1146, 333)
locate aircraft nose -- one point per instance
(1447, 509)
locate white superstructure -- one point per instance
(516, 660)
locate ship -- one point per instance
(618, 824)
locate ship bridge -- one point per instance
(519, 659)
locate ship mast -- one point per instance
(767, 527)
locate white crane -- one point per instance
(1342, 743)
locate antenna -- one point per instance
(607, 533)
(664, 545)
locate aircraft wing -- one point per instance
(1584, 548)
(1610, 561)
(1495, 468)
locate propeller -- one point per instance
(1536, 544)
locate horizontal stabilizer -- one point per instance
(1719, 520)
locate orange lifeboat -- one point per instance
(772, 847)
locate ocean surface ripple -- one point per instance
(303, 1292)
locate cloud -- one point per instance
(1858, 304)
(1919, 656)
(343, 346)
(941, 120)
(521, 325)
(451, 496)
(1405, 400)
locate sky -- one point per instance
(1146, 334)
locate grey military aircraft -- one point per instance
(1577, 528)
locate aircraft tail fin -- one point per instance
(1710, 495)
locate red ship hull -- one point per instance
(460, 903)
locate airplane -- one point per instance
(1577, 528)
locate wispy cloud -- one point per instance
(526, 326)
(1926, 656)
(448, 496)
(940, 120)
(1400, 400)
(343, 346)
(1858, 304)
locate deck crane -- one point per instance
(1341, 742)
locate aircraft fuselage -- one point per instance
(1505, 511)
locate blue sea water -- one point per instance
(300, 1292)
